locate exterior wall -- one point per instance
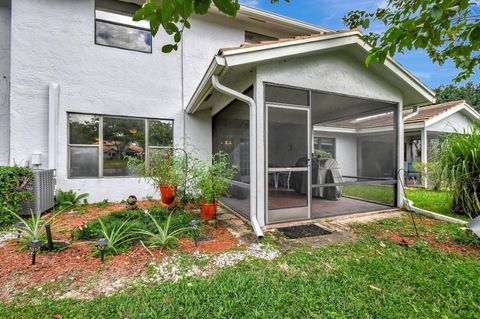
(456, 122)
(101, 80)
(345, 149)
(4, 80)
(200, 44)
(337, 72)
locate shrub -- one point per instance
(69, 199)
(460, 159)
(432, 172)
(34, 228)
(138, 219)
(214, 181)
(163, 236)
(119, 237)
(16, 186)
(165, 168)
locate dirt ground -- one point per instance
(77, 267)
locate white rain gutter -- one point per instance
(253, 150)
(415, 113)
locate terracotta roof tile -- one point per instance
(425, 113)
(281, 40)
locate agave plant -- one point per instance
(34, 228)
(162, 237)
(116, 236)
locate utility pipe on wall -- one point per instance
(253, 150)
(53, 103)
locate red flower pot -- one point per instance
(208, 210)
(168, 193)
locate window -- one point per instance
(325, 144)
(114, 27)
(119, 138)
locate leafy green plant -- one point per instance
(322, 154)
(34, 228)
(432, 172)
(69, 199)
(445, 29)
(460, 159)
(214, 181)
(104, 203)
(118, 237)
(164, 168)
(163, 236)
(16, 186)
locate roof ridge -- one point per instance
(282, 40)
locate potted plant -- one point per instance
(165, 170)
(213, 182)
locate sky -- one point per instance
(329, 13)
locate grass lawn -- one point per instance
(369, 278)
(435, 201)
(376, 193)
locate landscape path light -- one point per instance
(35, 246)
(101, 245)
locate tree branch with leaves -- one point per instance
(173, 15)
(445, 29)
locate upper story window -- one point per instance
(99, 146)
(114, 27)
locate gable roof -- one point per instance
(431, 111)
(283, 40)
(425, 114)
(251, 55)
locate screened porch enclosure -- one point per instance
(325, 154)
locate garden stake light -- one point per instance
(19, 226)
(194, 224)
(101, 245)
(48, 231)
(35, 245)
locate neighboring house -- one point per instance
(424, 128)
(80, 76)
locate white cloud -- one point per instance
(250, 3)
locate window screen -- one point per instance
(119, 138)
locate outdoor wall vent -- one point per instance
(43, 190)
(259, 20)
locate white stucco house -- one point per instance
(82, 86)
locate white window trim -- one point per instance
(100, 143)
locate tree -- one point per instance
(470, 92)
(446, 29)
(173, 15)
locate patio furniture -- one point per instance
(411, 174)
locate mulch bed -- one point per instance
(445, 244)
(76, 263)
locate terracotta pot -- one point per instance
(168, 193)
(208, 210)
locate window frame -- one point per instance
(100, 143)
(95, 20)
(319, 138)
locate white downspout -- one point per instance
(253, 149)
(415, 113)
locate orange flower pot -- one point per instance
(208, 210)
(168, 194)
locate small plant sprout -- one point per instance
(116, 236)
(34, 228)
(162, 237)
